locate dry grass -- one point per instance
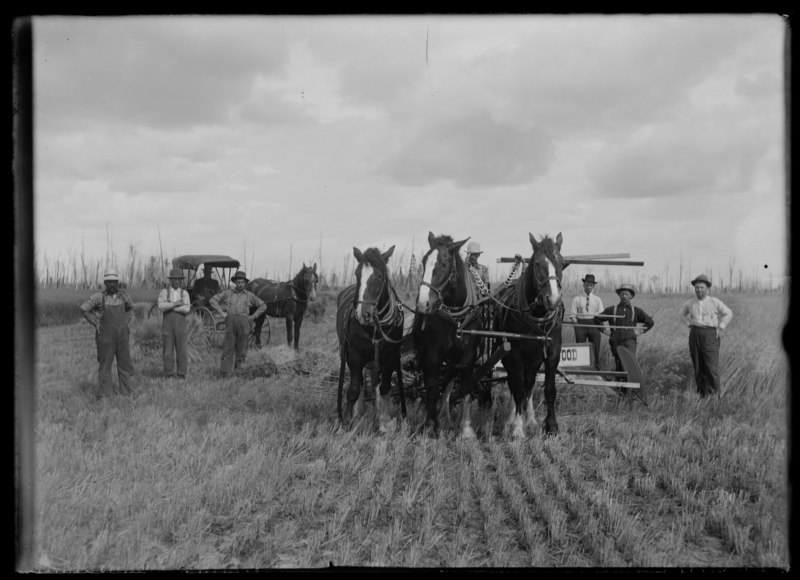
(254, 471)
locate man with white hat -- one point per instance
(110, 312)
(622, 316)
(174, 304)
(706, 317)
(584, 308)
(240, 303)
(473, 253)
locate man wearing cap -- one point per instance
(110, 312)
(629, 317)
(706, 317)
(174, 304)
(582, 311)
(205, 287)
(473, 253)
(240, 303)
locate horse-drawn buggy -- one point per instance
(465, 337)
(217, 272)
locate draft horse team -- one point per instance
(453, 315)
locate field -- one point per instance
(254, 471)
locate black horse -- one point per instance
(286, 300)
(446, 305)
(533, 306)
(369, 324)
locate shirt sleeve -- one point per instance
(163, 300)
(260, 305)
(725, 314)
(645, 319)
(600, 321)
(686, 313)
(216, 299)
(573, 309)
(94, 301)
(187, 305)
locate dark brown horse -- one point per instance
(444, 308)
(369, 325)
(533, 306)
(287, 300)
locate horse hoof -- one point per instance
(551, 431)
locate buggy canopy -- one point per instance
(193, 261)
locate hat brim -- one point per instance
(706, 282)
(618, 290)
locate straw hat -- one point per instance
(702, 278)
(474, 248)
(111, 275)
(627, 287)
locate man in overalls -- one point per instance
(110, 312)
(174, 304)
(239, 303)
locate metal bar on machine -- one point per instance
(580, 260)
(600, 326)
(503, 334)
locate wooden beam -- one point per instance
(573, 260)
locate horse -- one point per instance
(446, 305)
(369, 325)
(533, 306)
(287, 300)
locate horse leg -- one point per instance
(259, 322)
(353, 392)
(297, 322)
(432, 402)
(530, 410)
(399, 371)
(288, 320)
(550, 423)
(516, 384)
(382, 402)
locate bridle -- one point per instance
(391, 314)
(440, 288)
(539, 300)
(304, 291)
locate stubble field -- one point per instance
(254, 471)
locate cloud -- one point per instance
(471, 151)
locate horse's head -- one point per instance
(372, 284)
(306, 280)
(544, 271)
(441, 269)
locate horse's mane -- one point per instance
(442, 242)
(373, 257)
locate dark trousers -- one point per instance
(592, 335)
(174, 342)
(234, 347)
(704, 350)
(629, 343)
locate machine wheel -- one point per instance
(265, 334)
(196, 331)
(209, 325)
(631, 366)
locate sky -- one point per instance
(287, 139)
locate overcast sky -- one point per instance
(660, 136)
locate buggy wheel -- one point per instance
(207, 323)
(196, 334)
(265, 334)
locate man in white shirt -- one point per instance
(174, 304)
(582, 311)
(706, 317)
